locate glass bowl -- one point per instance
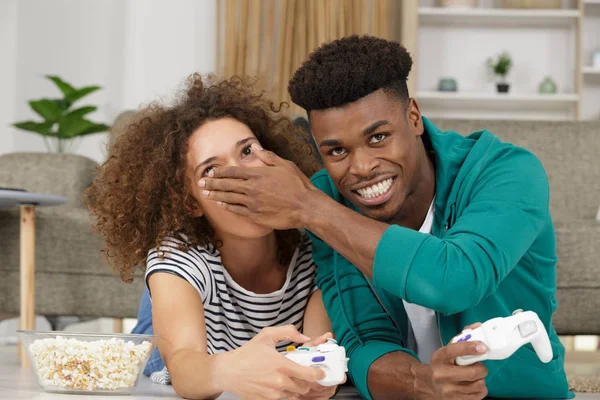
(87, 363)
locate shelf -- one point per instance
(591, 71)
(492, 99)
(595, 2)
(497, 16)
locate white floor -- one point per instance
(18, 383)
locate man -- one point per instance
(417, 232)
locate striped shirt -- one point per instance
(234, 315)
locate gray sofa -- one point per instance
(72, 277)
(570, 152)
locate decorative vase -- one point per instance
(502, 87)
(447, 85)
(459, 3)
(548, 86)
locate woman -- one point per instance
(227, 294)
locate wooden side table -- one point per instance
(10, 198)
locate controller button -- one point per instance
(304, 349)
(527, 329)
(318, 359)
(290, 349)
(464, 338)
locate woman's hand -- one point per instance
(318, 340)
(257, 371)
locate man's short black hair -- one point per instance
(348, 69)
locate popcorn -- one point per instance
(99, 365)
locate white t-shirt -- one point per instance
(423, 326)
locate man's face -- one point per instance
(371, 150)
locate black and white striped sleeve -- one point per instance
(189, 265)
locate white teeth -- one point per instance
(376, 190)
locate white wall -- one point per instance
(136, 50)
(8, 70)
(165, 42)
(77, 40)
(460, 51)
(590, 43)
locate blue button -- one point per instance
(464, 339)
(318, 359)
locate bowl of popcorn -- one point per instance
(87, 363)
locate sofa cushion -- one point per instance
(577, 274)
(65, 242)
(59, 174)
(570, 153)
(58, 294)
(577, 245)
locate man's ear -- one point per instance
(414, 118)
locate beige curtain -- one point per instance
(269, 39)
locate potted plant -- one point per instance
(61, 121)
(500, 67)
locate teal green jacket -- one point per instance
(492, 250)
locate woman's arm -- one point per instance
(316, 321)
(253, 370)
(178, 319)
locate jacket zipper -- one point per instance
(385, 309)
(446, 227)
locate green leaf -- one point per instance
(62, 104)
(64, 87)
(79, 93)
(80, 112)
(47, 109)
(42, 128)
(71, 127)
(97, 128)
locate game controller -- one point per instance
(328, 356)
(504, 336)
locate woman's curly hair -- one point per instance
(141, 194)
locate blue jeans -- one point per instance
(144, 326)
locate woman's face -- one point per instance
(222, 143)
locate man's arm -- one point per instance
(399, 375)
(507, 210)
(353, 235)
(363, 327)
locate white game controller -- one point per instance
(328, 356)
(504, 336)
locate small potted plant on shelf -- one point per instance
(500, 67)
